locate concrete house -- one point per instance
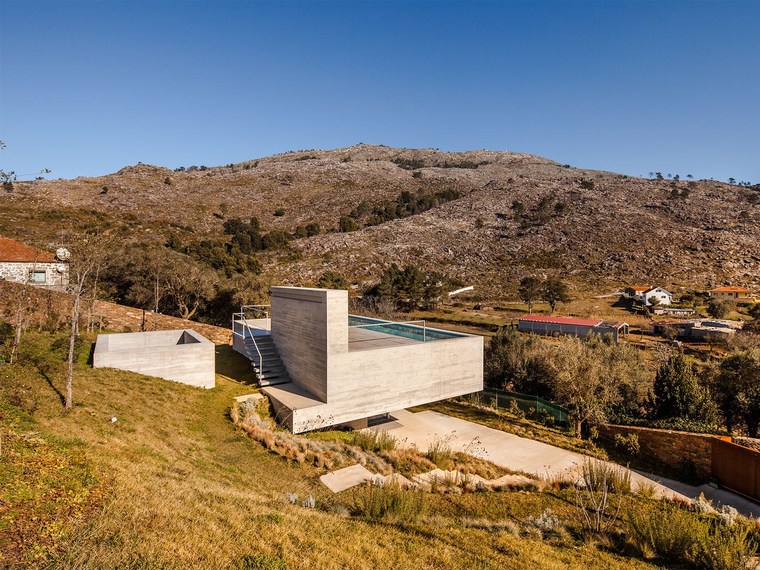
(25, 264)
(542, 324)
(732, 293)
(321, 366)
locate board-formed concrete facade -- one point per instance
(178, 355)
(337, 379)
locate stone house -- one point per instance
(25, 264)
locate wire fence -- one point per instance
(532, 406)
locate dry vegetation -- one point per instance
(171, 483)
(518, 214)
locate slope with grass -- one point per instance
(161, 479)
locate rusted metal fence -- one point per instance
(736, 467)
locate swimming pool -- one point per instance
(406, 330)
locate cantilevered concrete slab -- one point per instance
(180, 355)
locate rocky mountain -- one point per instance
(511, 214)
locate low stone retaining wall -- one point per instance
(676, 449)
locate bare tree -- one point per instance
(86, 256)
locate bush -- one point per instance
(673, 534)
(597, 475)
(440, 453)
(629, 444)
(375, 441)
(388, 502)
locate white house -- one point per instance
(25, 264)
(655, 296)
(321, 366)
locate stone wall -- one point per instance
(676, 449)
(19, 272)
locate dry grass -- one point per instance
(184, 489)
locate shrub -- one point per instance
(375, 441)
(440, 453)
(279, 212)
(596, 475)
(629, 444)
(388, 502)
(667, 532)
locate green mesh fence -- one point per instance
(532, 406)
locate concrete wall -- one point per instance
(299, 331)
(310, 330)
(179, 355)
(372, 382)
(19, 272)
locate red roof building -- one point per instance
(15, 251)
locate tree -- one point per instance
(530, 290)
(332, 280)
(518, 362)
(86, 255)
(588, 376)
(718, 309)
(678, 394)
(737, 388)
(555, 291)
(189, 284)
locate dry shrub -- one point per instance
(375, 441)
(390, 502)
(440, 453)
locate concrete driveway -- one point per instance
(538, 459)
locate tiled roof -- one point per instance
(12, 250)
(560, 320)
(638, 287)
(730, 289)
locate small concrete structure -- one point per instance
(343, 368)
(697, 329)
(178, 355)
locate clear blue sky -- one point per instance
(632, 87)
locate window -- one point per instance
(38, 276)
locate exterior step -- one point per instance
(261, 350)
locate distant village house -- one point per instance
(648, 295)
(732, 293)
(25, 264)
(541, 324)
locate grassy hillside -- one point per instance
(172, 484)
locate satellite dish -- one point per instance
(60, 268)
(62, 253)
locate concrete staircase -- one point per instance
(272, 371)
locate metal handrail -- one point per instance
(261, 309)
(247, 328)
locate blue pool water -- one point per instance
(414, 332)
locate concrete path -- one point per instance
(532, 457)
